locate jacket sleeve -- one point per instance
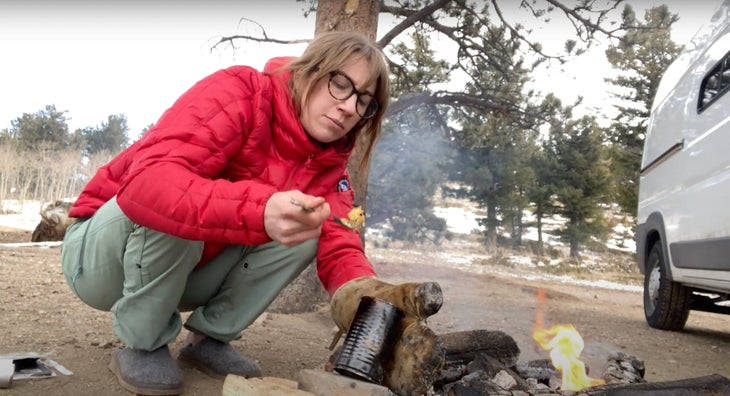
(173, 183)
(340, 254)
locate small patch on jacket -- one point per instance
(343, 185)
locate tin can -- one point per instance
(370, 340)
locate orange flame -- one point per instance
(565, 345)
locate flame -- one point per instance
(565, 345)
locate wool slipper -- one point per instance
(218, 359)
(147, 373)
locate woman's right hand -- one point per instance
(292, 217)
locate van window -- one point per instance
(715, 83)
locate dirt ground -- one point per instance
(38, 313)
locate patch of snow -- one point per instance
(622, 239)
(22, 215)
(523, 260)
(458, 220)
(599, 283)
(33, 244)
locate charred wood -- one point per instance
(464, 346)
(541, 370)
(479, 389)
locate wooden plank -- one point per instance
(710, 385)
(235, 385)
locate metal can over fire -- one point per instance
(369, 340)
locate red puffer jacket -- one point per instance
(206, 169)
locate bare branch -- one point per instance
(263, 39)
(410, 20)
(263, 31)
(226, 39)
(516, 33)
(574, 15)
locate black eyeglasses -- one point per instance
(341, 87)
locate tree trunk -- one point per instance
(351, 15)
(540, 244)
(54, 221)
(491, 243)
(520, 227)
(334, 15)
(574, 249)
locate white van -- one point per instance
(683, 222)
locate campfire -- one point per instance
(565, 346)
(487, 362)
(483, 362)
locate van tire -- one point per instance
(666, 303)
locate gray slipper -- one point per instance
(218, 359)
(147, 373)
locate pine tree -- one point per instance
(581, 180)
(110, 137)
(43, 130)
(641, 57)
(495, 144)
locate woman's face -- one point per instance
(327, 119)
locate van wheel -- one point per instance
(666, 303)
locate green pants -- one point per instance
(145, 278)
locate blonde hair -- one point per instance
(330, 51)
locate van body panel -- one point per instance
(710, 254)
(684, 185)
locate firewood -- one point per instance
(54, 221)
(710, 385)
(462, 347)
(235, 385)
